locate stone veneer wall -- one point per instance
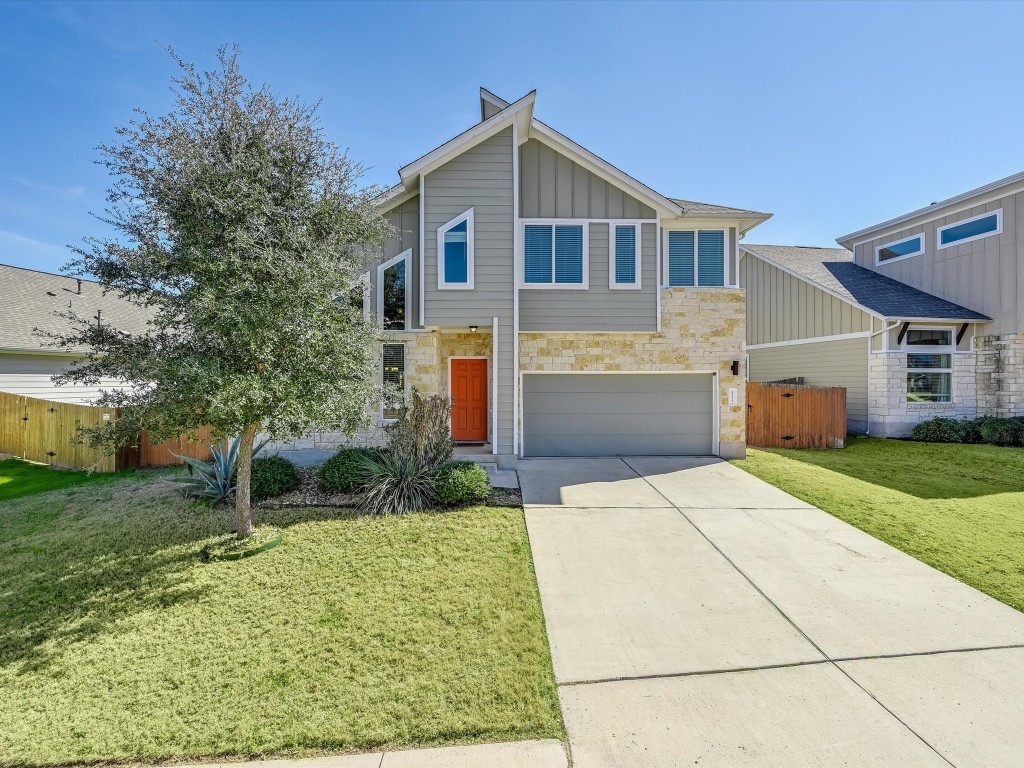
(889, 413)
(1000, 374)
(701, 330)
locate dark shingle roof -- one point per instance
(833, 269)
(26, 303)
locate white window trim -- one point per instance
(878, 249)
(614, 284)
(468, 217)
(406, 256)
(405, 379)
(935, 349)
(727, 277)
(367, 289)
(521, 256)
(998, 230)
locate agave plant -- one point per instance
(215, 480)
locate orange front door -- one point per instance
(469, 400)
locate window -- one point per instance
(393, 376)
(971, 229)
(393, 292)
(554, 255)
(929, 365)
(455, 253)
(696, 257)
(624, 246)
(901, 249)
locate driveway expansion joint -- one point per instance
(827, 659)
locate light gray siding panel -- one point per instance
(984, 275)
(840, 363)
(781, 307)
(405, 218)
(553, 186)
(600, 308)
(28, 374)
(480, 178)
(617, 414)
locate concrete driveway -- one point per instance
(699, 616)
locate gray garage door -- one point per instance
(624, 414)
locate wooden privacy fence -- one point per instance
(45, 431)
(795, 416)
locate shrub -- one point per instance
(422, 433)
(396, 485)
(342, 473)
(272, 476)
(941, 430)
(461, 482)
(1000, 431)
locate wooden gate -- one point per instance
(45, 431)
(795, 416)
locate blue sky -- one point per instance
(833, 116)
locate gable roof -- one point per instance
(29, 299)
(833, 270)
(934, 208)
(693, 208)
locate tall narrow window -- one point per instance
(682, 247)
(625, 263)
(393, 376)
(696, 258)
(393, 292)
(711, 257)
(554, 255)
(455, 252)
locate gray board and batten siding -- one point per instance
(986, 275)
(781, 307)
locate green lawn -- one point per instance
(959, 508)
(23, 478)
(117, 642)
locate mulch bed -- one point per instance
(309, 494)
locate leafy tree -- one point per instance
(238, 227)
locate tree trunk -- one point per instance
(243, 507)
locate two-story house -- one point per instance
(919, 316)
(566, 308)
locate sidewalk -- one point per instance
(516, 754)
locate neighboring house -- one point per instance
(567, 308)
(29, 299)
(919, 316)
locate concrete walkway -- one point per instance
(699, 616)
(516, 754)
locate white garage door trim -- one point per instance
(715, 432)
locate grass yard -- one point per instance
(24, 478)
(118, 643)
(959, 508)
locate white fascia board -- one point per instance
(938, 210)
(491, 98)
(745, 250)
(468, 139)
(395, 196)
(602, 168)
